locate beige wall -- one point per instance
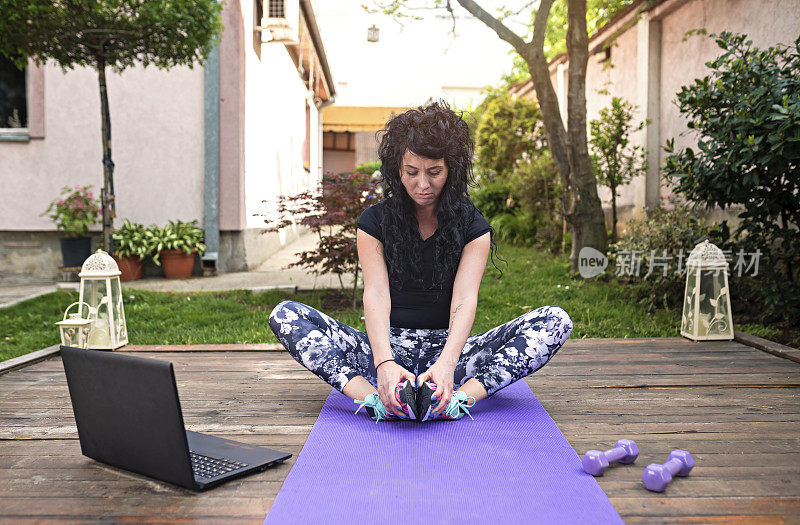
(232, 115)
(157, 146)
(339, 161)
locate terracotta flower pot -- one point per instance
(131, 267)
(177, 264)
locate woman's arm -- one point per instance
(377, 300)
(465, 296)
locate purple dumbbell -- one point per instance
(656, 477)
(596, 462)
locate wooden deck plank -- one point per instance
(768, 346)
(736, 408)
(66, 486)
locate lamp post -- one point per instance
(101, 291)
(707, 302)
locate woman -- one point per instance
(423, 251)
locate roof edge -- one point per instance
(618, 18)
(311, 18)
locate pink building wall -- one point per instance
(681, 59)
(766, 22)
(157, 146)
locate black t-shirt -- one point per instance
(413, 307)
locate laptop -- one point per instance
(128, 415)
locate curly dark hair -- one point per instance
(433, 131)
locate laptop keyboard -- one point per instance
(210, 467)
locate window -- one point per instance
(277, 9)
(339, 141)
(13, 98)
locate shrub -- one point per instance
(368, 168)
(536, 190)
(753, 297)
(550, 237)
(526, 204)
(492, 198)
(676, 231)
(747, 115)
(518, 228)
(536, 185)
(663, 238)
(524, 188)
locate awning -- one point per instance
(357, 118)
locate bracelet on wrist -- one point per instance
(385, 361)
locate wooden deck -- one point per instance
(736, 408)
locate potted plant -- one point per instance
(74, 212)
(175, 245)
(133, 243)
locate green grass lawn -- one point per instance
(533, 279)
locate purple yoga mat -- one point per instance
(510, 465)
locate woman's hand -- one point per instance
(441, 373)
(389, 374)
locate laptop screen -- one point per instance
(128, 413)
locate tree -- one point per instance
(746, 112)
(616, 161)
(598, 12)
(580, 203)
(109, 33)
(331, 211)
(508, 129)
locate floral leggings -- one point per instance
(337, 352)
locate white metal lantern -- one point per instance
(707, 301)
(373, 34)
(102, 292)
(75, 329)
